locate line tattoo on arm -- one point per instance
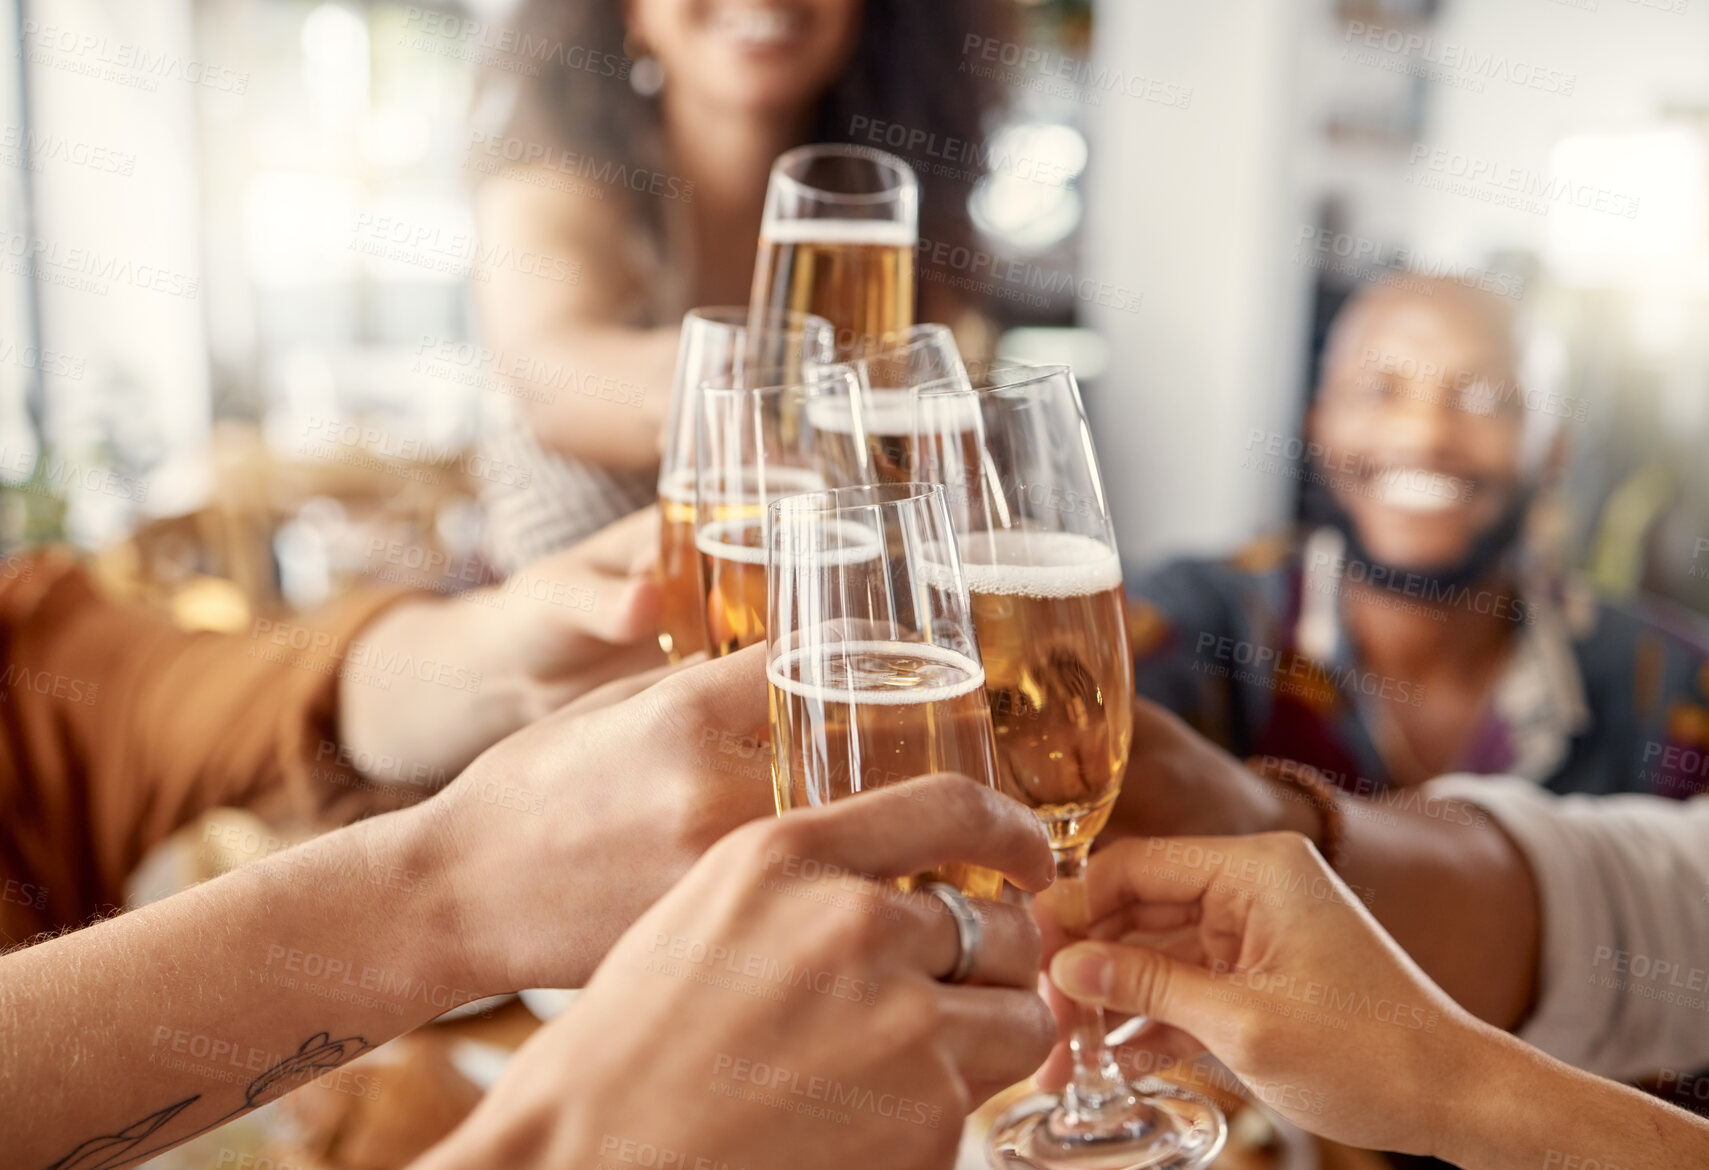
(313, 1057)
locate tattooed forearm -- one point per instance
(142, 1138)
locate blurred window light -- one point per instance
(1630, 210)
(335, 60)
(1028, 197)
(395, 138)
(297, 228)
(1082, 350)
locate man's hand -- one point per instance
(781, 1006)
(494, 659)
(1180, 784)
(559, 837)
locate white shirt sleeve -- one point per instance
(1624, 885)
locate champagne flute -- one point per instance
(754, 444)
(916, 357)
(712, 348)
(837, 239)
(872, 665)
(1038, 552)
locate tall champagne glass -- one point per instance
(1039, 556)
(712, 348)
(915, 357)
(755, 444)
(872, 665)
(837, 239)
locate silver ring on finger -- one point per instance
(970, 935)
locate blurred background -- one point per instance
(222, 371)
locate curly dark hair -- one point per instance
(904, 71)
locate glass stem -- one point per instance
(1097, 1083)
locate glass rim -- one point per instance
(1034, 373)
(830, 501)
(905, 178)
(822, 375)
(919, 333)
(734, 317)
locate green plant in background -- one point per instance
(32, 511)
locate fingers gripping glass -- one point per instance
(1014, 452)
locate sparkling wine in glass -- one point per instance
(1038, 553)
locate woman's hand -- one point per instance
(782, 1007)
(484, 663)
(1252, 948)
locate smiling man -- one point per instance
(1413, 630)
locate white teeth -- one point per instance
(757, 26)
(1412, 489)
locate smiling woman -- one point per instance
(651, 178)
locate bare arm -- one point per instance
(140, 1032)
(596, 387)
(1439, 875)
(136, 1034)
